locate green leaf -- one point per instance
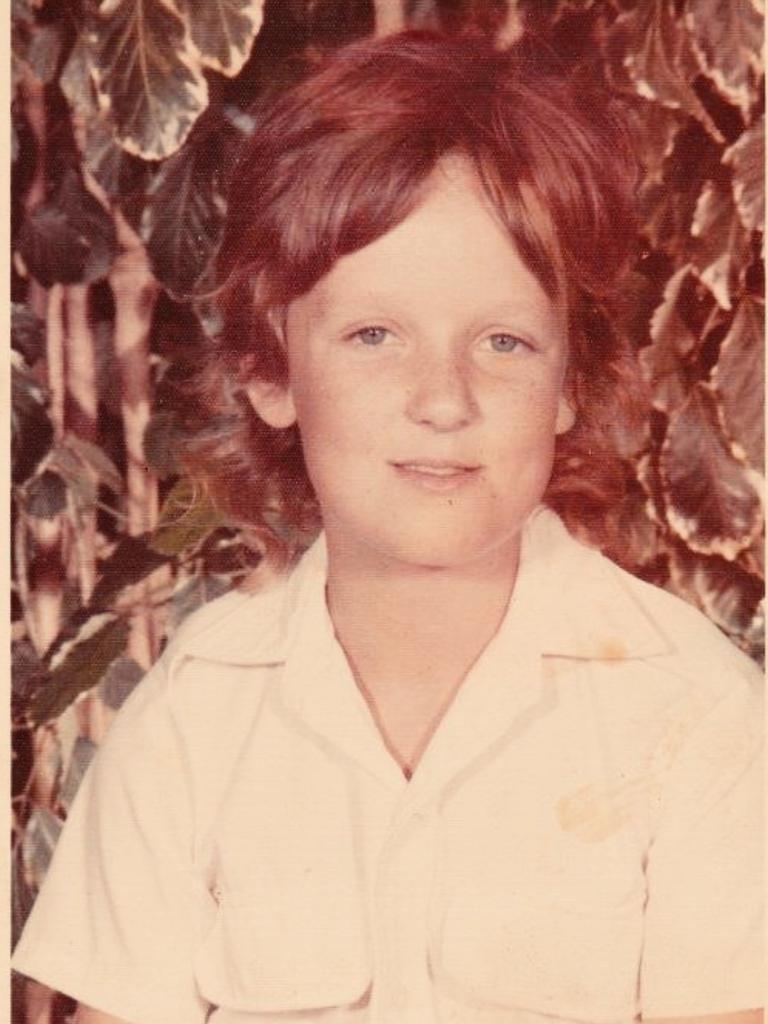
(654, 132)
(71, 239)
(193, 595)
(294, 537)
(752, 641)
(22, 896)
(739, 378)
(712, 502)
(27, 332)
(119, 681)
(39, 841)
(26, 668)
(46, 495)
(81, 484)
(728, 40)
(36, 46)
(21, 11)
(187, 517)
(721, 589)
(122, 176)
(721, 248)
(223, 30)
(632, 308)
(130, 562)
(665, 359)
(228, 555)
(148, 74)
(659, 57)
(159, 444)
(183, 222)
(82, 754)
(667, 205)
(747, 158)
(637, 538)
(31, 429)
(76, 80)
(44, 51)
(80, 664)
(98, 461)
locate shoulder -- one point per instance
(211, 666)
(666, 680)
(196, 709)
(699, 693)
(605, 614)
(696, 647)
(242, 626)
(252, 626)
(646, 648)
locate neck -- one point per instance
(406, 625)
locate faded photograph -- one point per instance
(387, 475)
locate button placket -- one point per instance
(402, 989)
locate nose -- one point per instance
(440, 393)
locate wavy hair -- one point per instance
(339, 160)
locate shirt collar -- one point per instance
(572, 602)
(580, 604)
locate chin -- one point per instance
(431, 549)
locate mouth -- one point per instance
(436, 474)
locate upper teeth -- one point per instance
(435, 470)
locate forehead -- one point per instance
(451, 253)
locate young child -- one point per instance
(456, 766)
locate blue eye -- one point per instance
(505, 342)
(371, 335)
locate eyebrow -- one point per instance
(528, 314)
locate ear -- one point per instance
(273, 403)
(566, 415)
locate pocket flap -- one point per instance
(294, 950)
(560, 961)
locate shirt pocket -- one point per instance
(296, 947)
(552, 957)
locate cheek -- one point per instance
(521, 430)
(346, 408)
(527, 409)
(336, 425)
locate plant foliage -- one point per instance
(125, 114)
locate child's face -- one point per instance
(426, 375)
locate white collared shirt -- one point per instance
(580, 841)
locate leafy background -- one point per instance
(124, 117)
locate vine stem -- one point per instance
(45, 570)
(55, 359)
(42, 582)
(44, 594)
(135, 292)
(33, 98)
(92, 715)
(82, 402)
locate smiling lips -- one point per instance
(436, 474)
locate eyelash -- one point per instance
(518, 342)
(374, 336)
(360, 336)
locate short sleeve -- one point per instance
(703, 945)
(122, 909)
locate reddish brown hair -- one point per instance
(339, 160)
